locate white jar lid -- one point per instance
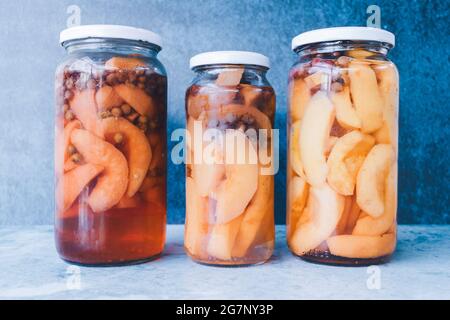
(229, 57)
(109, 31)
(343, 33)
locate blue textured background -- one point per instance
(29, 53)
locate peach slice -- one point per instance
(196, 219)
(363, 247)
(229, 78)
(326, 207)
(259, 208)
(222, 239)
(366, 96)
(113, 182)
(294, 150)
(299, 98)
(73, 182)
(136, 148)
(124, 63)
(137, 98)
(61, 144)
(298, 195)
(370, 182)
(342, 224)
(85, 108)
(235, 192)
(388, 86)
(107, 98)
(346, 115)
(353, 216)
(339, 177)
(369, 226)
(314, 134)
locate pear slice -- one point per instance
(370, 182)
(294, 150)
(363, 247)
(299, 98)
(366, 96)
(314, 134)
(388, 86)
(298, 194)
(339, 177)
(346, 115)
(369, 226)
(222, 239)
(325, 208)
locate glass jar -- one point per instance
(343, 131)
(230, 109)
(110, 146)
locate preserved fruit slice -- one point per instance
(325, 207)
(346, 115)
(135, 146)
(339, 177)
(300, 95)
(388, 86)
(235, 192)
(85, 109)
(63, 140)
(72, 183)
(314, 134)
(363, 247)
(295, 157)
(129, 202)
(112, 183)
(124, 63)
(222, 239)
(107, 98)
(137, 98)
(261, 119)
(229, 78)
(250, 94)
(260, 206)
(196, 219)
(369, 226)
(366, 96)
(298, 195)
(370, 182)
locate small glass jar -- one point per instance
(110, 146)
(343, 132)
(229, 185)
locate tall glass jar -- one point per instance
(343, 131)
(110, 146)
(230, 109)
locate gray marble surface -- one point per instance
(30, 269)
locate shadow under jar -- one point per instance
(342, 162)
(110, 146)
(230, 109)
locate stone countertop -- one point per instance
(30, 269)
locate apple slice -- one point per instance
(388, 86)
(346, 115)
(294, 150)
(326, 207)
(314, 134)
(363, 247)
(298, 195)
(366, 96)
(370, 182)
(299, 98)
(369, 226)
(339, 177)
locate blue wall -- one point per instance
(29, 53)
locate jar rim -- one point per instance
(230, 58)
(108, 31)
(342, 34)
